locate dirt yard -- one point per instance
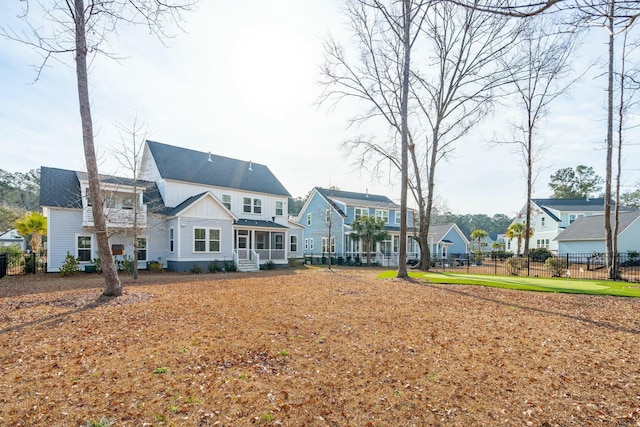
(312, 348)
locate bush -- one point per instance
(98, 264)
(156, 267)
(556, 266)
(269, 265)
(230, 267)
(14, 255)
(539, 254)
(501, 255)
(214, 267)
(71, 265)
(125, 264)
(293, 262)
(515, 265)
(196, 269)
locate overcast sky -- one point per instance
(242, 83)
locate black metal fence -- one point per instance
(12, 264)
(578, 266)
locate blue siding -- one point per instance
(319, 228)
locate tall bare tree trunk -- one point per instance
(402, 256)
(527, 225)
(610, 262)
(112, 285)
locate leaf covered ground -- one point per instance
(311, 347)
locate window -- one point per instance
(279, 208)
(542, 222)
(327, 216)
(226, 201)
(206, 240)
(360, 212)
(171, 240)
(84, 248)
(293, 243)
(383, 215)
(141, 243)
(308, 244)
(127, 203)
(88, 199)
(329, 248)
(572, 218)
(257, 206)
(246, 204)
(397, 217)
(308, 219)
(279, 241)
(109, 202)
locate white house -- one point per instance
(12, 237)
(194, 208)
(549, 217)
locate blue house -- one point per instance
(328, 214)
(447, 240)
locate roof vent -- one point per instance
(250, 168)
(366, 193)
(209, 159)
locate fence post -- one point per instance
(528, 266)
(3, 265)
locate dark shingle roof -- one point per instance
(583, 205)
(592, 227)
(61, 188)
(182, 164)
(258, 223)
(185, 204)
(358, 199)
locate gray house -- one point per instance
(193, 208)
(586, 235)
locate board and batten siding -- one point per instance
(176, 192)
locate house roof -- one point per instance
(439, 231)
(259, 223)
(592, 227)
(358, 199)
(185, 204)
(581, 205)
(61, 188)
(182, 164)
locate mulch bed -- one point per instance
(311, 347)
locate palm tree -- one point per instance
(34, 224)
(369, 230)
(518, 231)
(479, 235)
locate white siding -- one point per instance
(185, 241)
(63, 226)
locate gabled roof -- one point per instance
(358, 199)
(439, 231)
(572, 205)
(182, 164)
(592, 227)
(61, 188)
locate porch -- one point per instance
(257, 242)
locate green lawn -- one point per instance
(573, 286)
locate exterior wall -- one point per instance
(63, 225)
(581, 247)
(459, 245)
(299, 233)
(629, 239)
(319, 227)
(177, 192)
(185, 240)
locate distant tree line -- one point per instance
(19, 193)
(497, 223)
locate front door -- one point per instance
(242, 244)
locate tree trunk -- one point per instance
(610, 262)
(112, 285)
(527, 225)
(404, 108)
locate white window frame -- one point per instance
(278, 241)
(293, 243)
(309, 219)
(128, 203)
(329, 245)
(327, 216)
(359, 213)
(279, 208)
(208, 240)
(226, 200)
(171, 239)
(397, 217)
(145, 249)
(257, 206)
(246, 204)
(78, 248)
(382, 214)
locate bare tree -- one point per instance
(83, 30)
(537, 75)
(385, 33)
(129, 155)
